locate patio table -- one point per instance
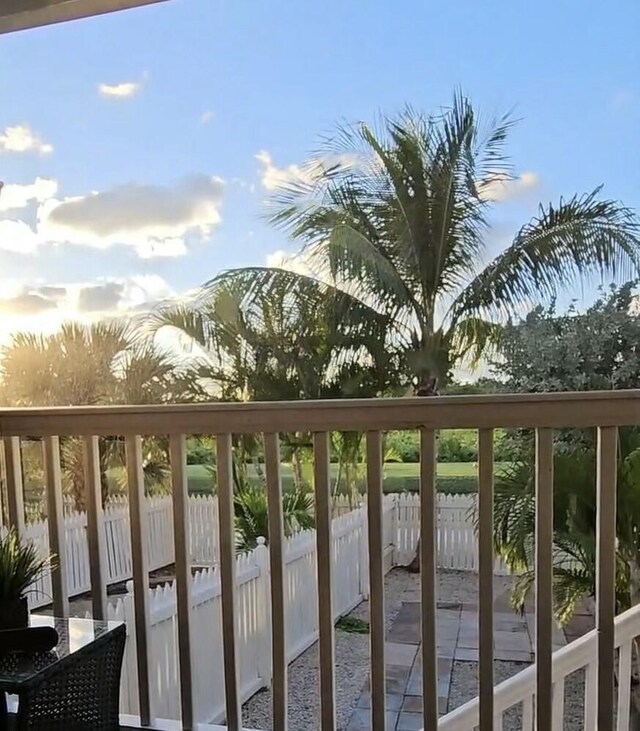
(75, 686)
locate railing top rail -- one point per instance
(571, 409)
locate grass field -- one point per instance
(454, 477)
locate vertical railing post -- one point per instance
(591, 696)
(376, 580)
(428, 569)
(276, 561)
(95, 527)
(557, 713)
(140, 565)
(624, 686)
(13, 474)
(544, 576)
(228, 578)
(485, 545)
(606, 572)
(55, 519)
(178, 454)
(324, 547)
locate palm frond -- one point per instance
(581, 237)
(474, 337)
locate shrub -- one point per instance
(199, 452)
(458, 445)
(404, 444)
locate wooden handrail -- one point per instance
(543, 412)
(572, 409)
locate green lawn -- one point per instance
(458, 477)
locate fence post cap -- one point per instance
(261, 541)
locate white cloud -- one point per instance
(101, 297)
(112, 295)
(298, 263)
(502, 187)
(161, 248)
(19, 237)
(122, 90)
(274, 177)
(19, 196)
(207, 116)
(155, 220)
(143, 289)
(21, 138)
(27, 303)
(42, 308)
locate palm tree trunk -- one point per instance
(414, 566)
(297, 469)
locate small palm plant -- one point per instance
(21, 565)
(252, 522)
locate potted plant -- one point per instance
(20, 566)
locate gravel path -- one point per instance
(352, 663)
(352, 667)
(352, 656)
(464, 687)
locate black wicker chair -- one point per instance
(80, 694)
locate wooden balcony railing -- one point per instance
(605, 411)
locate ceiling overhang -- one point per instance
(22, 14)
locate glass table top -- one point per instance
(73, 635)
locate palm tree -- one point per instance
(397, 220)
(251, 514)
(285, 344)
(574, 521)
(101, 363)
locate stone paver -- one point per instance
(457, 639)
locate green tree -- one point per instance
(598, 349)
(288, 343)
(80, 365)
(398, 220)
(594, 350)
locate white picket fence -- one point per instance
(202, 542)
(456, 545)
(350, 587)
(456, 540)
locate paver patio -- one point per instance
(457, 641)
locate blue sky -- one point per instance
(162, 111)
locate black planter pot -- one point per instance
(14, 613)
